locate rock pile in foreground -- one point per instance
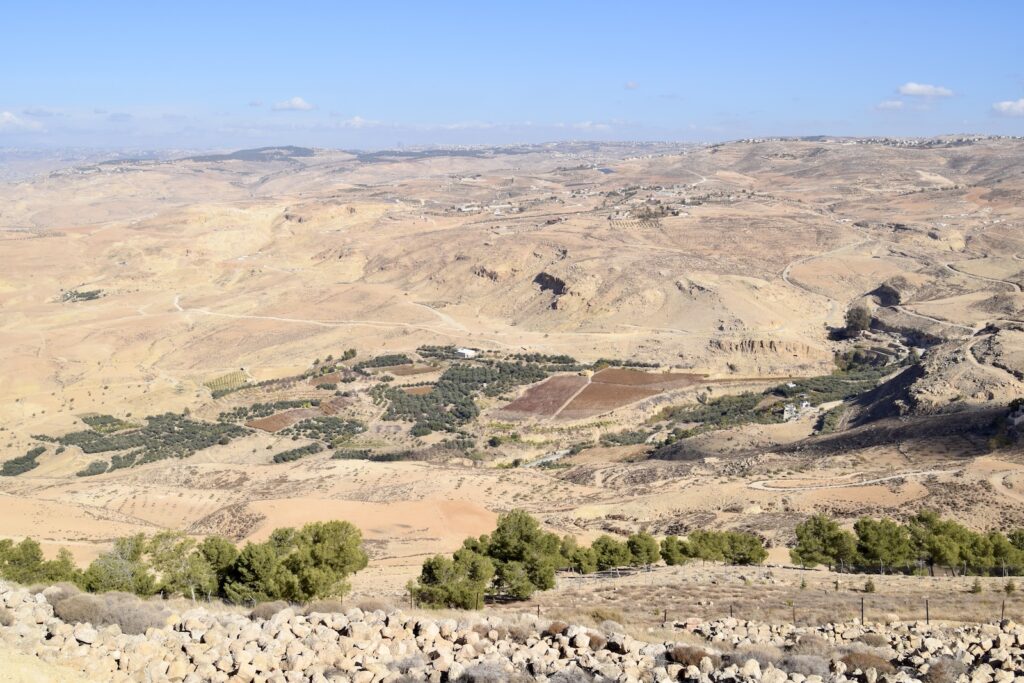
(367, 647)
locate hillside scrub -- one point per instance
(294, 564)
(925, 540)
(519, 558)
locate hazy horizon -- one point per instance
(122, 76)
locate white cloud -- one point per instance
(890, 105)
(631, 85)
(1009, 107)
(10, 122)
(294, 104)
(924, 90)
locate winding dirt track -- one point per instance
(1016, 287)
(765, 484)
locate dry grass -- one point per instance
(688, 655)
(944, 670)
(131, 614)
(324, 607)
(555, 628)
(266, 610)
(865, 660)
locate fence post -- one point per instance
(664, 617)
(862, 611)
(730, 610)
(927, 614)
(1002, 612)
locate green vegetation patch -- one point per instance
(329, 429)
(451, 403)
(164, 436)
(22, 464)
(297, 453)
(107, 424)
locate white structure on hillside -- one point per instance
(466, 353)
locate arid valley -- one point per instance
(615, 338)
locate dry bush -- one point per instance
(572, 674)
(609, 626)
(60, 591)
(370, 605)
(812, 644)
(688, 655)
(874, 640)
(556, 628)
(487, 672)
(6, 618)
(266, 610)
(133, 615)
(520, 633)
(808, 665)
(764, 654)
(944, 670)
(865, 660)
(597, 640)
(325, 607)
(602, 614)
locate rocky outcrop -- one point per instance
(368, 647)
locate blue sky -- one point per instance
(225, 74)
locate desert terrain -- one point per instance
(631, 281)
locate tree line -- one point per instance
(921, 544)
(519, 558)
(296, 565)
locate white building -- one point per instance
(466, 353)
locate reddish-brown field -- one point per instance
(599, 397)
(418, 391)
(334, 405)
(628, 377)
(331, 378)
(544, 399)
(279, 421)
(407, 370)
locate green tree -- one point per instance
(257, 575)
(121, 569)
(610, 553)
(583, 560)
(674, 550)
(322, 555)
(514, 580)
(219, 553)
(180, 567)
(459, 582)
(643, 549)
(820, 540)
(858, 319)
(883, 542)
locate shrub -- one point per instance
(812, 644)
(597, 640)
(865, 660)
(874, 640)
(6, 618)
(1010, 588)
(689, 655)
(130, 613)
(808, 665)
(94, 468)
(266, 610)
(324, 607)
(944, 670)
(976, 587)
(371, 605)
(762, 654)
(869, 586)
(556, 628)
